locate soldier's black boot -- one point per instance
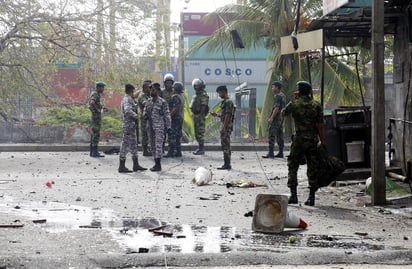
(280, 153)
(96, 153)
(91, 149)
(136, 166)
(200, 150)
(157, 166)
(269, 154)
(146, 151)
(178, 151)
(311, 199)
(123, 168)
(293, 199)
(226, 165)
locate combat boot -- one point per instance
(226, 165)
(200, 150)
(280, 153)
(293, 199)
(136, 166)
(96, 153)
(91, 150)
(311, 199)
(146, 151)
(269, 154)
(123, 168)
(157, 167)
(178, 153)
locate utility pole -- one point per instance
(378, 121)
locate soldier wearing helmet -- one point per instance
(176, 105)
(166, 93)
(308, 117)
(199, 107)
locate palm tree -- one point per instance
(263, 23)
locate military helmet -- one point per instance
(168, 76)
(198, 83)
(178, 86)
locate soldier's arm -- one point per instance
(321, 132)
(129, 110)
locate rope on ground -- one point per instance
(260, 161)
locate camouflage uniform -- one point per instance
(129, 122)
(135, 97)
(177, 101)
(275, 129)
(167, 95)
(96, 110)
(141, 102)
(226, 107)
(200, 98)
(157, 116)
(306, 113)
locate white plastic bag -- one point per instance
(202, 176)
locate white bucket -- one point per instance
(355, 151)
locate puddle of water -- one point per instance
(135, 235)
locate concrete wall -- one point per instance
(29, 133)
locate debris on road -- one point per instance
(244, 184)
(202, 176)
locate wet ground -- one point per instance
(70, 204)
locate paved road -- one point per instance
(93, 217)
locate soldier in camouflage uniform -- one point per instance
(157, 116)
(176, 105)
(96, 108)
(226, 114)
(275, 122)
(141, 102)
(166, 94)
(308, 117)
(129, 115)
(199, 107)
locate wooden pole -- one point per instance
(378, 122)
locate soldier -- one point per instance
(157, 116)
(199, 107)
(129, 142)
(308, 117)
(226, 114)
(275, 122)
(141, 101)
(176, 105)
(167, 91)
(96, 108)
(166, 94)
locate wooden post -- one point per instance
(378, 122)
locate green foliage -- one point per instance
(111, 122)
(188, 128)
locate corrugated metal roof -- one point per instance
(351, 24)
